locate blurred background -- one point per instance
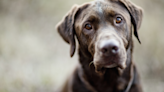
(34, 58)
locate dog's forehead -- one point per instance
(101, 7)
(100, 10)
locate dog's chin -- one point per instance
(121, 66)
(101, 68)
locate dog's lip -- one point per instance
(101, 68)
(106, 65)
(122, 65)
(112, 65)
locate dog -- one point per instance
(103, 29)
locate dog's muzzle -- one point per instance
(109, 52)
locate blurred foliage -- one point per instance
(31, 51)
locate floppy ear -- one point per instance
(136, 15)
(66, 28)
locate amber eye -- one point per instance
(118, 20)
(88, 26)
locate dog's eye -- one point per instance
(118, 20)
(88, 26)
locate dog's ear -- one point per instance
(136, 14)
(66, 28)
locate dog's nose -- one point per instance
(110, 47)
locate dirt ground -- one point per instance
(34, 58)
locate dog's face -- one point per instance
(103, 29)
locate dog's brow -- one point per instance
(92, 18)
(84, 16)
(111, 13)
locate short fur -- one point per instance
(91, 75)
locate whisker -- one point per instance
(90, 63)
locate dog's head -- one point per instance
(103, 29)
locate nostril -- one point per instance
(115, 48)
(104, 50)
(109, 47)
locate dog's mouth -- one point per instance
(110, 65)
(98, 67)
(103, 65)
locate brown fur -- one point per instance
(92, 75)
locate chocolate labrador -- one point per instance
(103, 29)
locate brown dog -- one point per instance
(104, 31)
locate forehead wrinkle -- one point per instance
(91, 19)
(99, 8)
(103, 6)
(112, 9)
(90, 15)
